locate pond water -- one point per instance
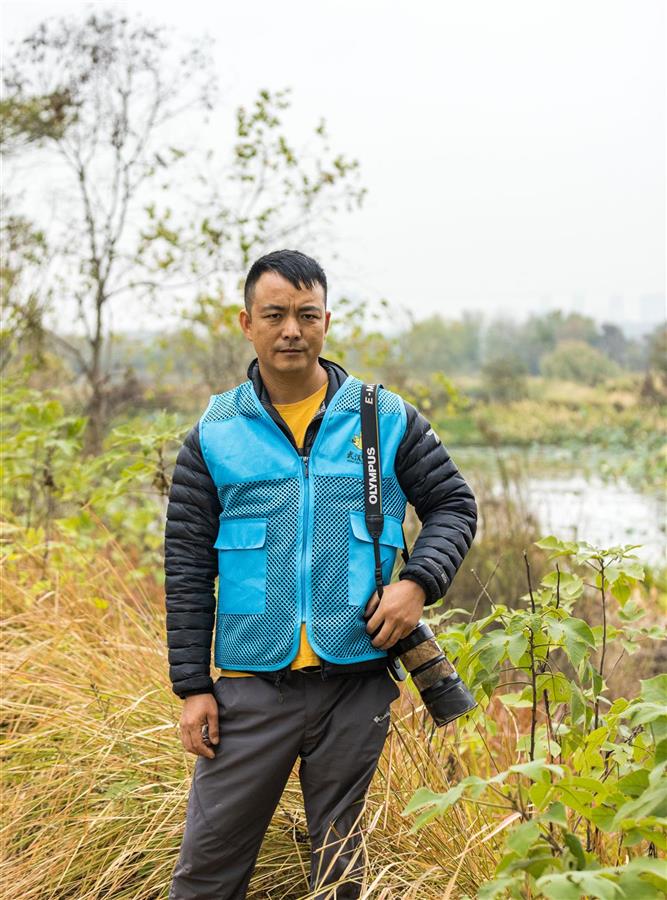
(574, 503)
(602, 513)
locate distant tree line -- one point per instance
(210, 349)
(469, 343)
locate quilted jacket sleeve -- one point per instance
(191, 568)
(444, 503)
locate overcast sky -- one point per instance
(514, 152)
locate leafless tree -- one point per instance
(123, 83)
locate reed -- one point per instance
(96, 780)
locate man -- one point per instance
(267, 495)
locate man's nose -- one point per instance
(291, 327)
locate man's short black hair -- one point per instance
(300, 270)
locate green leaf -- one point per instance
(523, 837)
(598, 683)
(559, 890)
(603, 817)
(642, 877)
(593, 884)
(652, 802)
(491, 648)
(618, 706)
(653, 871)
(578, 799)
(659, 838)
(438, 803)
(577, 705)
(474, 785)
(538, 793)
(498, 887)
(597, 737)
(634, 783)
(423, 796)
(633, 569)
(570, 585)
(636, 887)
(514, 700)
(654, 690)
(621, 589)
(654, 632)
(556, 546)
(577, 636)
(575, 848)
(556, 813)
(642, 713)
(516, 647)
(557, 686)
(631, 612)
(661, 752)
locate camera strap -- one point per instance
(370, 450)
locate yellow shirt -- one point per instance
(298, 417)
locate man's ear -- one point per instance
(245, 321)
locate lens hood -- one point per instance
(448, 700)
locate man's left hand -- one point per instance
(398, 612)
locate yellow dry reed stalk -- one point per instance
(95, 778)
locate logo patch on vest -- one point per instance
(351, 455)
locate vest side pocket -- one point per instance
(242, 566)
(361, 567)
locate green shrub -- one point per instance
(578, 361)
(586, 799)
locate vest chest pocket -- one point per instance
(242, 559)
(361, 569)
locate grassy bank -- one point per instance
(606, 429)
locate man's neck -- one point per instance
(288, 387)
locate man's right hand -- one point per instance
(199, 710)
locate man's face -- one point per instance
(285, 319)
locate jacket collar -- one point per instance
(336, 373)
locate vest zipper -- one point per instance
(306, 507)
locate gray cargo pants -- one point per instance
(337, 726)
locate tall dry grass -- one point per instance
(95, 779)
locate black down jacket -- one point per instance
(426, 473)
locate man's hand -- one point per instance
(398, 612)
(199, 710)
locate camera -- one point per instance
(445, 694)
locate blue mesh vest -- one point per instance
(292, 543)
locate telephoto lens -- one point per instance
(444, 693)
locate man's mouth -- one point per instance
(291, 351)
